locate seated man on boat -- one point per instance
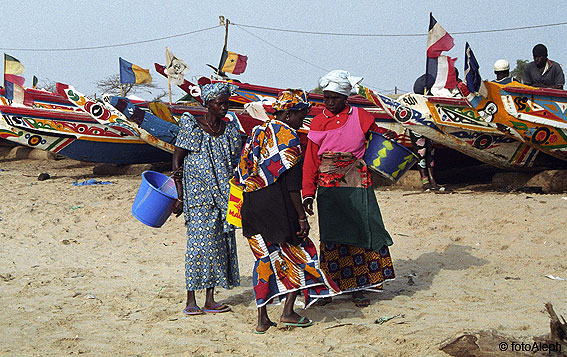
(502, 72)
(543, 72)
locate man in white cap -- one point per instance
(354, 241)
(502, 72)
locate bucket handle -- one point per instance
(170, 176)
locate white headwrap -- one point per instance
(338, 81)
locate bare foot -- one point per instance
(360, 299)
(265, 325)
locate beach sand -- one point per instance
(80, 275)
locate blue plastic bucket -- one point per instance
(155, 199)
(387, 157)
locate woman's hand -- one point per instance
(304, 229)
(178, 208)
(308, 205)
(390, 135)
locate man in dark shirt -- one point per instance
(543, 72)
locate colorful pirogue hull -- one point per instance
(535, 116)
(106, 114)
(247, 93)
(453, 123)
(75, 135)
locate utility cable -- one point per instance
(289, 53)
(396, 35)
(107, 46)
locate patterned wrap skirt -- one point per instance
(211, 258)
(354, 268)
(354, 241)
(283, 268)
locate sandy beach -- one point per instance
(80, 275)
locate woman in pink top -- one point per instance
(354, 242)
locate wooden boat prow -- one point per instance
(537, 116)
(453, 123)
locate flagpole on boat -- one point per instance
(427, 60)
(169, 86)
(224, 22)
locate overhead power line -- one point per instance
(273, 29)
(281, 49)
(107, 46)
(289, 53)
(396, 35)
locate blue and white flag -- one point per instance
(472, 77)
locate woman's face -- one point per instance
(218, 107)
(335, 102)
(295, 117)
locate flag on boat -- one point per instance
(438, 40)
(439, 67)
(472, 78)
(175, 68)
(16, 93)
(442, 71)
(34, 82)
(13, 69)
(232, 62)
(131, 73)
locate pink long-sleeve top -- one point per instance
(345, 132)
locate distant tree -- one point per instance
(48, 85)
(518, 72)
(158, 97)
(317, 90)
(111, 85)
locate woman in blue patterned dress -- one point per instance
(208, 150)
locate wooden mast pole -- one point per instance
(226, 22)
(427, 59)
(168, 78)
(169, 86)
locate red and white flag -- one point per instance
(440, 68)
(438, 40)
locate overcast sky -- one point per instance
(278, 59)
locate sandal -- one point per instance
(361, 301)
(218, 308)
(426, 185)
(438, 188)
(193, 310)
(303, 322)
(263, 332)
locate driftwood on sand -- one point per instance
(491, 343)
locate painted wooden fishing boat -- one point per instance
(453, 123)
(536, 116)
(106, 114)
(75, 135)
(248, 93)
(43, 99)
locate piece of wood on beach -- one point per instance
(481, 343)
(558, 333)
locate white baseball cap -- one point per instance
(501, 65)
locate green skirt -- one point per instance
(350, 215)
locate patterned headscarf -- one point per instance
(338, 81)
(213, 90)
(271, 149)
(292, 99)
